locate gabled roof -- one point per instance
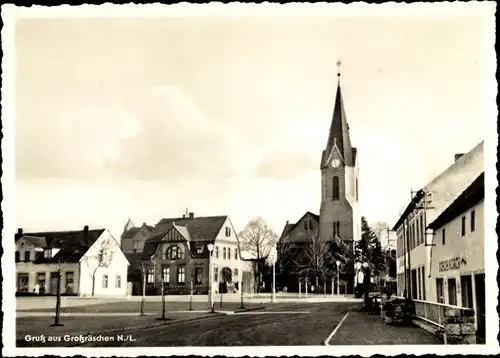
(130, 233)
(72, 245)
(339, 133)
(290, 227)
(469, 197)
(203, 229)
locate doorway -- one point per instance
(481, 305)
(466, 289)
(53, 283)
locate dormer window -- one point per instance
(199, 249)
(47, 253)
(174, 253)
(27, 256)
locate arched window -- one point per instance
(335, 188)
(174, 253)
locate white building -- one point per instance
(90, 262)
(414, 243)
(457, 263)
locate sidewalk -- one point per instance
(360, 328)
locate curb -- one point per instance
(133, 328)
(250, 309)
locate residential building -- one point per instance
(339, 209)
(89, 262)
(133, 238)
(457, 261)
(414, 242)
(177, 249)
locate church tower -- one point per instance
(339, 213)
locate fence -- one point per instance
(431, 312)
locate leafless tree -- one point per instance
(60, 267)
(316, 260)
(101, 258)
(258, 239)
(144, 272)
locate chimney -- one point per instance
(287, 222)
(458, 156)
(183, 216)
(20, 231)
(191, 215)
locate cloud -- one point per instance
(283, 164)
(176, 141)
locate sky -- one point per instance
(143, 118)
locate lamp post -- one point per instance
(366, 281)
(210, 287)
(338, 277)
(272, 257)
(358, 274)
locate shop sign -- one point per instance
(452, 264)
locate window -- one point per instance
(166, 275)
(40, 279)
(224, 253)
(47, 253)
(422, 229)
(27, 256)
(443, 236)
(181, 275)
(228, 231)
(439, 290)
(174, 253)
(199, 249)
(335, 189)
(118, 281)
(229, 253)
(216, 252)
(423, 282)
(136, 245)
(198, 275)
(452, 291)
(236, 273)
(336, 228)
(151, 276)
(472, 221)
(236, 254)
(357, 197)
(216, 274)
(104, 281)
(463, 225)
(18, 256)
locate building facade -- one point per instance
(339, 215)
(414, 240)
(76, 257)
(457, 262)
(176, 253)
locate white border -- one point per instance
(10, 13)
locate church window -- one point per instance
(335, 192)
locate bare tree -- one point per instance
(144, 272)
(60, 268)
(101, 258)
(316, 260)
(258, 239)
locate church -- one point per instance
(339, 209)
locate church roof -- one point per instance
(339, 133)
(290, 227)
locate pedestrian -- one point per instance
(37, 289)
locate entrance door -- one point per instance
(53, 283)
(481, 305)
(466, 285)
(452, 292)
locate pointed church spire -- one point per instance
(339, 129)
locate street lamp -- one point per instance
(366, 281)
(272, 257)
(210, 248)
(338, 277)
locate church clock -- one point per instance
(335, 163)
